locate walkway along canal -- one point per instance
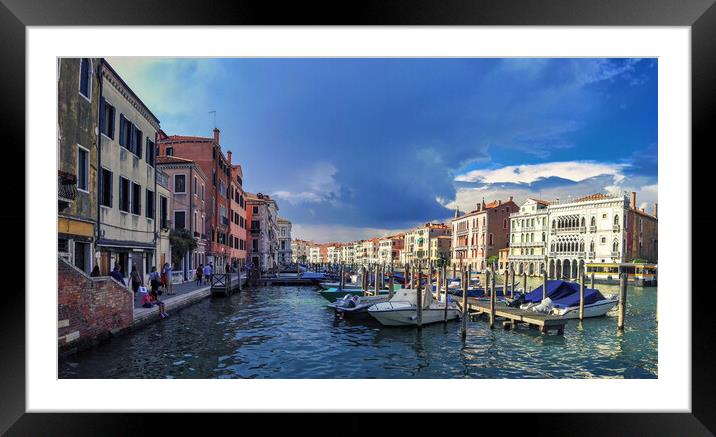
(287, 332)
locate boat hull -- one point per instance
(408, 317)
(597, 309)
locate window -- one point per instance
(196, 184)
(256, 209)
(106, 119)
(604, 240)
(82, 169)
(123, 194)
(179, 219)
(255, 245)
(180, 183)
(86, 78)
(105, 188)
(255, 224)
(150, 204)
(170, 151)
(163, 210)
(137, 141)
(196, 220)
(136, 199)
(202, 191)
(151, 151)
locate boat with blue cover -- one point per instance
(563, 300)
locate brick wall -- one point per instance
(89, 309)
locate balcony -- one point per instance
(615, 254)
(591, 255)
(592, 229)
(616, 228)
(255, 231)
(66, 189)
(570, 230)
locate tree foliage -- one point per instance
(182, 242)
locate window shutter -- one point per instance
(111, 190)
(102, 118)
(111, 122)
(132, 138)
(122, 133)
(139, 143)
(121, 193)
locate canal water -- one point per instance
(287, 332)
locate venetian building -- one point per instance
(481, 233)
(417, 241)
(599, 228)
(528, 238)
(284, 241)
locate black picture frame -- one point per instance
(699, 15)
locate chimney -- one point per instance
(510, 199)
(633, 200)
(457, 212)
(216, 135)
(483, 202)
(228, 156)
(499, 201)
(478, 207)
(655, 205)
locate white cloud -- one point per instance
(527, 174)
(315, 184)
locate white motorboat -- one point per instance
(402, 310)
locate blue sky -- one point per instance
(355, 148)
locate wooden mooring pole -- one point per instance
(524, 281)
(493, 298)
(591, 283)
(444, 278)
(622, 301)
(437, 284)
(390, 283)
(365, 281)
(343, 277)
(507, 280)
(581, 296)
(376, 285)
(465, 312)
(512, 287)
(419, 299)
(544, 284)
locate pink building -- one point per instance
(481, 233)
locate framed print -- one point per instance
(415, 209)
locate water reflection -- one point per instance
(289, 333)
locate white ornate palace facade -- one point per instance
(563, 237)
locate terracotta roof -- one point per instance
(165, 159)
(186, 138)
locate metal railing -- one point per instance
(616, 228)
(592, 229)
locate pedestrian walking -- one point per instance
(117, 274)
(168, 273)
(135, 279)
(199, 272)
(207, 274)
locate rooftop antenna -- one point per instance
(213, 112)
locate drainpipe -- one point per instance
(191, 214)
(156, 197)
(99, 149)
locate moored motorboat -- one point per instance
(334, 293)
(402, 309)
(353, 306)
(563, 300)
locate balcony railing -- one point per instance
(615, 254)
(591, 255)
(592, 229)
(572, 230)
(66, 186)
(616, 228)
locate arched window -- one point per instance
(543, 237)
(615, 246)
(554, 223)
(581, 245)
(582, 222)
(591, 246)
(594, 221)
(616, 220)
(551, 247)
